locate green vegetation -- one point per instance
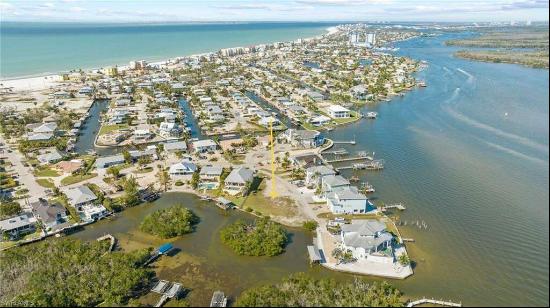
(9, 208)
(263, 238)
(47, 183)
(170, 222)
(131, 192)
(46, 172)
(507, 38)
(526, 46)
(310, 225)
(105, 129)
(72, 179)
(535, 59)
(73, 274)
(302, 291)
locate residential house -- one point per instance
(49, 157)
(238, 181)
(68, 167)
(83, 200)
(315, 174)
(338, 112)
(319, 120)
(302, 138)
(368, 240)
(359, 92)
(41, 131)
(169, 130)
(17, 226)
(182, 168)
(348, 201)
(332, 183)
(203, 146)
(108, 161)
(269, 121)
(52, 215)
(171, 147)
(210, 177)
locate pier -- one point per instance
(398, 206)
(424, 301)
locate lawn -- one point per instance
(144, 170)
(280, 206)
(47, 183)
(46, 172)
(72, 179)
(105, 129)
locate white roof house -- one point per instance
(205, 145)
(319, 120)
(337, 111)
(368, 239)
(80, 195)
(182, 168)
(175, 146)
(49, 157)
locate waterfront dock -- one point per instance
(218, 299)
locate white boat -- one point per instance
(371, 115)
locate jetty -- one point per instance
(109, 237)
(218, 299)
(424, 301)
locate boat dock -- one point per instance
(398, 206)
(162, 250)
(218, 299)
(224, 204)
(424, 301)
(168, 290)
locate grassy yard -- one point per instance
(105, 129)
(45, 183)
(46, 172)
(280, 206)
(72, 179)
(144, 170)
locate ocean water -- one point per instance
(39, 48)
(468, 155)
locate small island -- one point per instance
(526, 46)
(262, 238)
(303, 291)
(170, 222)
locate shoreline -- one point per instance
(14, 82)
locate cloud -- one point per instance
(342, 2)
(527, 4)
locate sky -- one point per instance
(270, 10)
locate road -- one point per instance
(26, 176)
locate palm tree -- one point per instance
(163, 177)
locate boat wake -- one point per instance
(512, 137)
(517, 154)
(471, 77)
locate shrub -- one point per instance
(262, 238)
(170, 222)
